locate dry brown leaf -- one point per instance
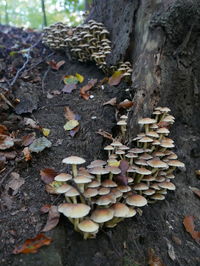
(84, 90)
(32, 245)
(15, 182)
(69, 114)
(27, 154)
(4, 130)
(196, 191)
(6, 142)
(53, 219)
(28, 139)
(115, 79)
(105, 134)
(153, 259)
(45, 208)
(188, 222)
(112, 101)
(126, 104)
(47, 175)
(55, 65)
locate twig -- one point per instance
(44, 77)
(3, 97)
(25, 63)
(6, 175)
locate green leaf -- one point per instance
(40, 144)
(71, 124)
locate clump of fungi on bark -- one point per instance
(106, 192)
(86, 42)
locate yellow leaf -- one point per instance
(46, 131)
(114, 163)
(71, 124)
(79, 77)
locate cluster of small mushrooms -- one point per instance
(87, 42)
(106, 192)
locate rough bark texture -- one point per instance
(161, 39)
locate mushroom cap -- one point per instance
(63, 177)
(98, 171)
(148, 178)
(145, 140)
(132, 212)
(136, 150)
(152, 134)
(90, 192)
(165, 109)
(131, 155)
(149, 192)
(146, 121)
(125, 117)
(96, 163)
(156, 163)
(141, 162)
(121, 123)
(136, 200)
(62, 189)
(105, 200)
(102, 215)
(124, 188)
(119, 152)
(123, 148)
(104, 191)
(108, 183)
(74, 210)
(167, 185)
(143, 171)
(163, 130)
(116, 143)
(73, 160)
(176, 163)
(94, 184)
(72, 192)
(145, 156)
(116, 192)
(113, 169)
(88, 226)
(108, 148)
(157, 196)
(141, 186)
(120, 210)
(82, 179)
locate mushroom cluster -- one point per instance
(124, 67)
(87, 42)
(106, 192)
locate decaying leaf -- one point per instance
(74, 131)
(79, 77)
(71, 124)
(32, 245)
(28, 139)
(4, 130)
(68, 88)
(54, 65)
(15, 182)
(153, 259)
(69, 114)
(45, 208)
(126, 104)
(47, 175)
(171, 251)
(188, 222)
(40, 144)
(6, 142)
(105, 134)
(10, 155)
(46, 131)
(115, 79)
(84, 90)
(52, 220)
(112, 101)
(30, 122)
(27, 154)
(70, 79)
(196, 191)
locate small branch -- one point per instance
(25, 63)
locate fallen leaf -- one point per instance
(84, 90)
(9, 154)
(196, 191)
(126, 104)
(32, 245)
(47, 175)
(112, 101)
(74, 131)
(54, 65)
(171, 251)
(30, 122)
(71, 124)
(52, 220)
(45, 208)
(40, 144)
(70, 79)
(69, 114)
(27, 154)
(46, 131)
(79, 77)
(188, 222)
(153, 259)
(28, 139)
(15, 182)
(105, 134)
(4, 130)
(6, 142)
(68, 88)
(115, 78)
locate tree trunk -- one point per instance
(6, 13)
(44, 13)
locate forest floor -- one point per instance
(39, 88)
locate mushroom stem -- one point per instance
(138, 179)
(99, 177)
(171, 169)
(74, 170)
(111, 176)
(146, 126)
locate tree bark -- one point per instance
(44, 13)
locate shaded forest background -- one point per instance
(39, 13)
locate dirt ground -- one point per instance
(161, 225)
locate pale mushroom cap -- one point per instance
(102, 215)
(120, 210)
(149, 192)
(136, 200)
(158, 196)
(160, 179)
(88, 226)
(124, 188)
(104, 200)
(108, 183)
(155, 186)
(141, 162)
(167, 185)
(132, 212)
(98, 163)
(131, 155)
(163, 130)
(94, 184)
(82, 179)
(121, 123)
(90, 192)
(143, 171)
(123, 147)
(114, 170)
(152, 134)
(72, 192)
(98, 171)
(145, 156)
(156, 163)
(141, 186)
(148, 178)
(146, 121)
(104, 191)
(119, 152)
(73, 160)
(176, 163)
(124, 117)
(136, 150)
(116, 144)
(74, 210)
(62, 189)
(165, 109)
(145, 140)
(63, 177)
(108, 148)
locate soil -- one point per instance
(161, 225)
